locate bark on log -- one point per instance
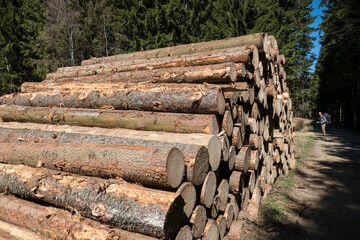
(242, 160)
(189, 144)
(208, 190)
(155, 212)
(129, 119)
(151, 166)
(56, 223)
(257, 39)
(11, 232)
(215, 73)
(183, 98)
(198, 221)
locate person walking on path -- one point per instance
(323, 124)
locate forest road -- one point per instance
(325, 202)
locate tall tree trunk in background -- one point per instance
(106, 39)
(71, 44)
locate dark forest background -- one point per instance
(39, 36)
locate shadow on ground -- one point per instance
(325, 201)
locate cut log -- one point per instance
(58, 223)
(254, 160)
(252, 125)
(233, 201)
(232, 157)
(223, 192)
(184, 233)
(236, 182)
(254, 141)
(251, 179)
(188, 193)
(237, 137)
(227, 123)
(117, 203)
(190, 144)
(242, 160)
(129, 119)
(257, 39)
(216, 73)
(225, 149)
(208, 190)
(229, 215)
(185, 98)
(221, 222)
(211, 231)
(245, 196)
(254, 113)
(215, 207)
(237, 231)
(152, 166)
(198, 221)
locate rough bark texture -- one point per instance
(216, 73)
(56, 223)
(182, 98)
(130, 119)
(257, 39)
(128, 206)
(11, 232)
(151, 166)
(189, 144)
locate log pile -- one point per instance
(170, 143)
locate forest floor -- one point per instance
(320, 199)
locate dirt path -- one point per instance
(326, 198)
(324, 202)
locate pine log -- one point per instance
(57, 223)
(211, 231)
(227, 123)
(197, 159)
(148, 97)
(242, 160)
(254, 141)
(225, 149)
(151, 166)
(223, 192)
(270, 91)
(221, 222)
(257, 39)
(11, 232)
(232, 157)
(254, 160)
(229, 215)
(188, 193)
(251, 179)
(237, 231)
(236, 182)
(156, 213)
(253, 125)
(233, 201)
(208, 190)
(245, 196)
(255, 111)
(184, 233)
(243, 115)
(237, 136)
(215, 73)
(198, 221)
(129, 119)
(215, 207)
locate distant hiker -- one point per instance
(323, 122)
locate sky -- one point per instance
(318, 13)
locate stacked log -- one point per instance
(171, 143)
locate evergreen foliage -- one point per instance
(58, 33)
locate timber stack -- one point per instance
(171, 143)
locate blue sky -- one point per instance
(318, 13)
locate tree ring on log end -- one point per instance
(220, 102)
(175, 167)
(208, 190)
(184, 233)
(214, 148)
(172, 219)
(188, 192)
(201, 167)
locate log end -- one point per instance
(188, 193)
(214, 148)
(172, 220)
(208, 190)
(175, 167)
(201, 166)
(220, 102)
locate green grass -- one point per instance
(275, 206)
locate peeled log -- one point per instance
(184, 98)
(216, 73)
(257, 39)
(57, 223)
(189, 144)
(129, 119)
(152, 166)
(156, 213)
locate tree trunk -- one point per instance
(56, 223)
(257, 39)
(185, 98)
(129, 119)
(151, 166)
(156, 213)
(215, 73)
(11, 232)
